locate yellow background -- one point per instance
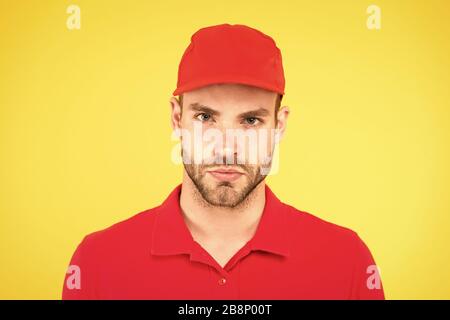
(85, 132)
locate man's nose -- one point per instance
(225, 154)
(230, 150)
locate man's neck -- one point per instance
(213, 223)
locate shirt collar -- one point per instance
(171, 235)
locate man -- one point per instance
(222, 233)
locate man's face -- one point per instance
(219, 125)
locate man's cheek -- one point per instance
(212, 144)
(192, 148)
(264, 148)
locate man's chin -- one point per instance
(222, 194)
(211, 182)
(219, 192)
(224, 197)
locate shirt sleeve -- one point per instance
(367, 283)
(80, 278)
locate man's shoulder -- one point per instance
(134, 229)
(309, 228)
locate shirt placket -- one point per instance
(223, 282)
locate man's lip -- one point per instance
(226, 171)
(225, 175)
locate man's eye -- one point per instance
(251, 120)
(203, 117)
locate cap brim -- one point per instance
(250, 82)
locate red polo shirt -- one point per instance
(293, 255)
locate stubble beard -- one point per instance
(224, 194)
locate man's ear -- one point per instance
(175, 113)
(282, 117)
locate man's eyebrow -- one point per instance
(261, 112)
(199, 107)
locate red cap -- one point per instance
(231, 54)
